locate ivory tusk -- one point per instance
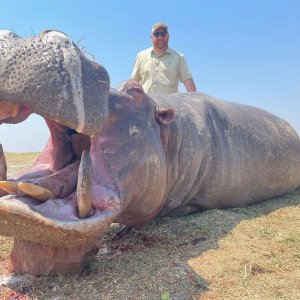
(84, 186)
(14, 111)
(35, 191)
(10, 187)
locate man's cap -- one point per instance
(159, 24)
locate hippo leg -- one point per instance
(33, 258)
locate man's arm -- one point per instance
(136, 70)
(184, 72)
(190, 85)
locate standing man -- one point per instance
(160, 68)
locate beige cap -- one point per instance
(159, 24)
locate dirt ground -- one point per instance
(242, 253)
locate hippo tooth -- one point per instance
(35, 191)
(84, 186)
(10, 187)
(14, 111)
(8, 109)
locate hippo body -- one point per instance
(218, 154)
(221, 154)
(137, 157)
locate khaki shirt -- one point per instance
(160, 74)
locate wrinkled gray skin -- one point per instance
(37, 70)
(151, 157)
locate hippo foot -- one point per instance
(38, 259)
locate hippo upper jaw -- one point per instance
(50, 76)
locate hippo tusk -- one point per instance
(35, 191)
(14, 111)
(84, 186)
(10, 187)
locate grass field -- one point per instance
(242, 253)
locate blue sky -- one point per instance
(238, 50)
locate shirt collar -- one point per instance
(166, 52)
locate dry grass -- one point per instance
(242, 253)
(19, 162)
(259, 259)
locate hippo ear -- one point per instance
(164, 116)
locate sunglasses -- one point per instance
(160, 33)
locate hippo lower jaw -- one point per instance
(56, 226)
(52, 223)
(45, 244)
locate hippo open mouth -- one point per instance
(61, 205)
(59, 209)
(58, 201)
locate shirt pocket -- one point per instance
(147, 66)
(169, 71)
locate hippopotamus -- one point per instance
(122, 156)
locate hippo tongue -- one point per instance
(84, 188)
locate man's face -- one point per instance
(160, 38)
